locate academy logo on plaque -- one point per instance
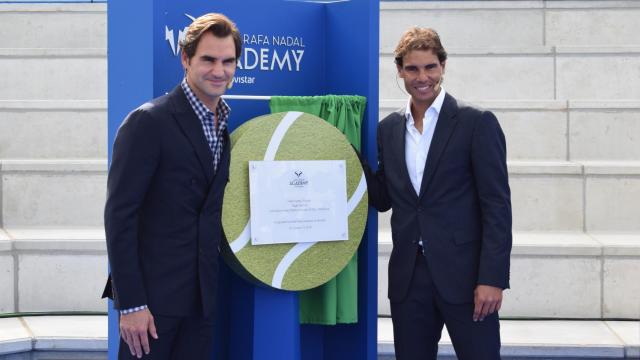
(298, 180)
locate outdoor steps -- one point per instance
(539, 339)
(45, 193)
(532, 73)
(53, 74)
(53, 337)
(562, 77)
(53, 26)
(85, 337)
(560, 275)
(553, 275)
(576, 130)
(509, 23)
(571, 196)
(54, 269)
(53, 129)
(546, 195)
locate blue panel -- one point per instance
(130, 83)
(130, 54)
(45, 2)
(327, 48)
(312, 341)
(241, 312)
(114, 332)
(282, 55)
(352, 68)
(283, 52)
(276, 325)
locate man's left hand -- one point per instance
(487, 300)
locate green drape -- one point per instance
(335, 302)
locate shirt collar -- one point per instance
(201, 110)
(436, 105)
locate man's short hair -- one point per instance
(417, 38)
(218, 25)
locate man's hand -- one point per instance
(133, 329)
(487, 300)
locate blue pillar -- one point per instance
(340, 57)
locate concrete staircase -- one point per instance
(563, 77)
(85, 338)
(53, 148)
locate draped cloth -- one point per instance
(335, 302)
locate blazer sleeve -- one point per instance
(489, 162)
(136, 153)
(376, 186)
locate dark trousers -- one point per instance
(419, 318)
(179, 338)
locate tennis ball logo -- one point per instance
(297, 266)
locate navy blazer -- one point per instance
(463, 211)
(163, 210)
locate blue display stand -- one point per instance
(290, 48)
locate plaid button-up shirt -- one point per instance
(213, 135)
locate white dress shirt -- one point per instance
(417, 144)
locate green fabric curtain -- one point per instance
(335, 302)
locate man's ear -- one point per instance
(443, 64)
(184, 59)
(400, 72)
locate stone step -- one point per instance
(514, 23)
(53, 74)
(53, 26)
(69, 337)
(559, 275)
(535, 73)
(562, 130)
(553, 275)
(534, 339)
(38, 265)
(535, 130)
(7, 271)
(546, 196)
(53, 193)
(53, 129)
(54, 337)
(571, 196)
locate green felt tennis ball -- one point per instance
(289, 136)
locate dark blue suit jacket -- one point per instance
(463, 211)
(163, 211)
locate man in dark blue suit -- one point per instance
(442, 170)
(165, 187)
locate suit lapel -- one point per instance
(444, 128)
(192, 128)
(399, 143)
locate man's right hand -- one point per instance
(133, 329)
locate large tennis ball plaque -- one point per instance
(292, 266)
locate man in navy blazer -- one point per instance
(165, 187)
(442, 170)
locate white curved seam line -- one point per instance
(241, 241)
(297, 250)
(278, 134)
(286, 261)
(357, 195)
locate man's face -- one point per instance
(422, 72)
(211, 68)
